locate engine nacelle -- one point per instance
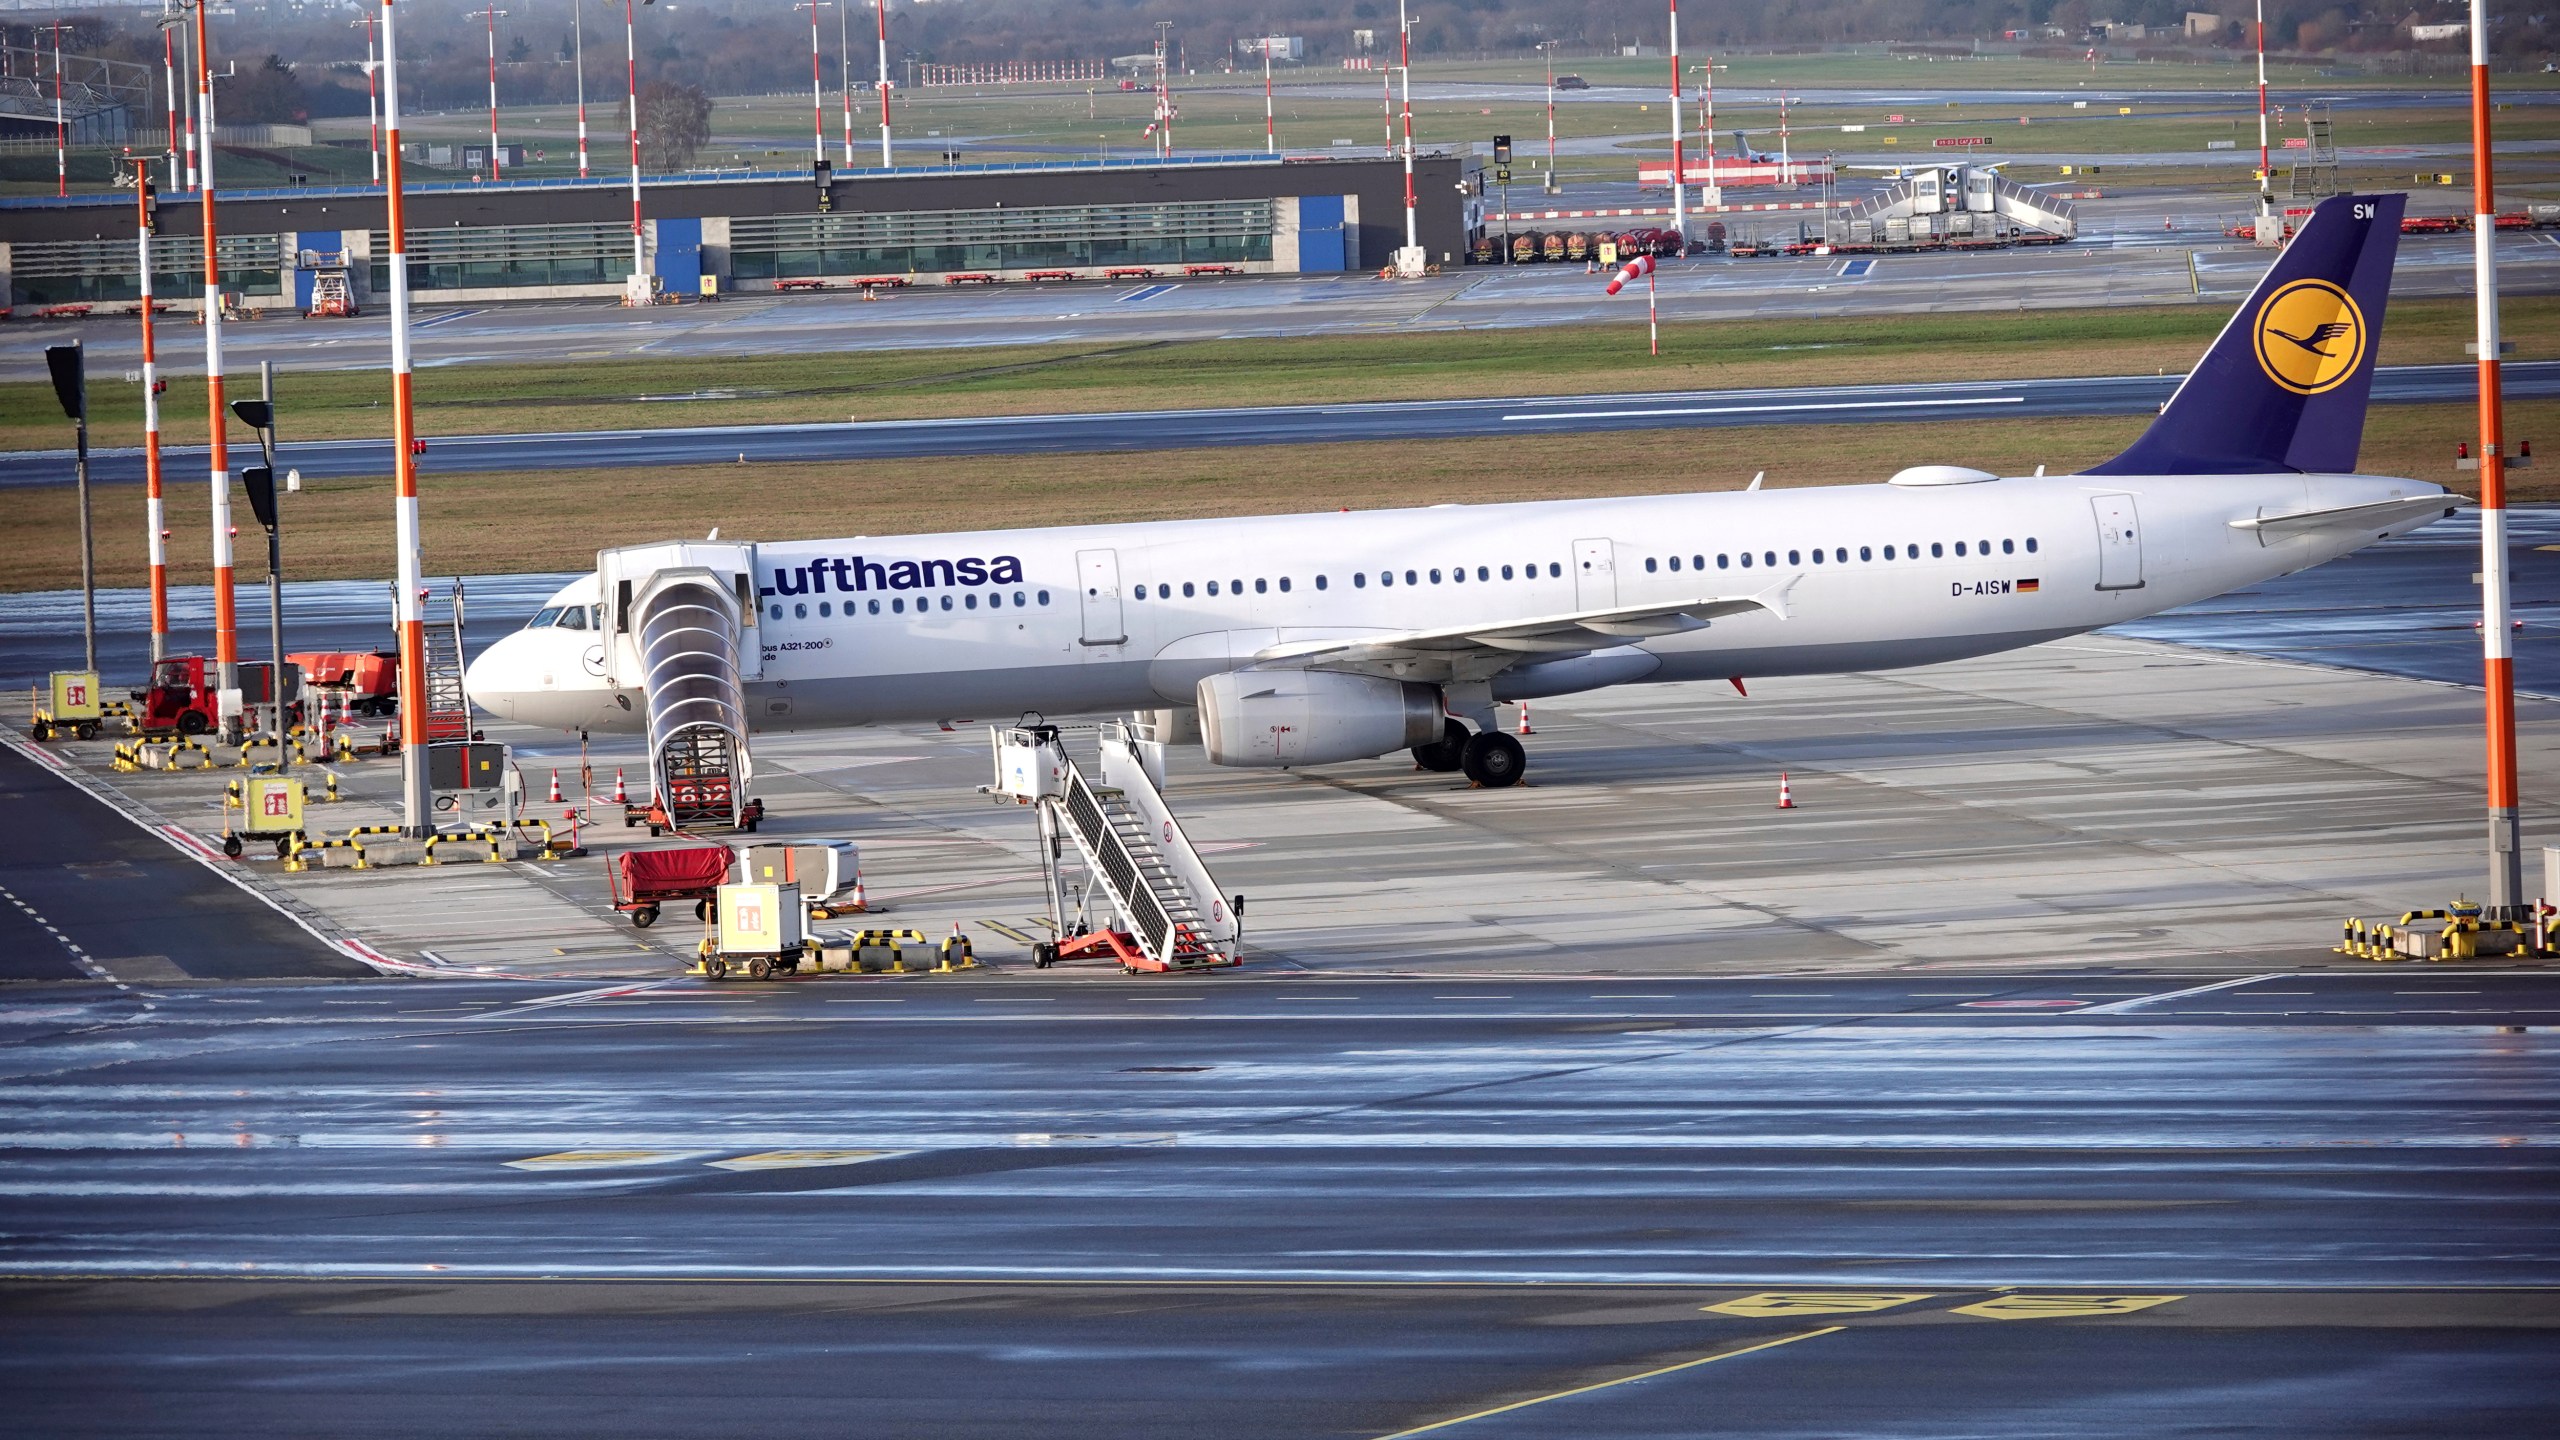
(1313, 717)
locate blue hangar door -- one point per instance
(1319, 233)
(680, 255)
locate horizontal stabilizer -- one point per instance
(2378, 515)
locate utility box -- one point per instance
(271, 805)
(760, 919)
(828, 872)
(2551, 874)
(471, 782)
(75, 696)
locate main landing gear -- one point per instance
(1487, 757)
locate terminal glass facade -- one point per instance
(500, 257)
(67, 272)
(1061, 237)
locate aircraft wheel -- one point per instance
(1494, 760)
(1446, 753)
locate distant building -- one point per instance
(2206, 25)
(1278, 47)
(2424, 33)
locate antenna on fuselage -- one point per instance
(1755, 481)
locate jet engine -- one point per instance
(1313, 717)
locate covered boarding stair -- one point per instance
(1954, 203)
(1147, 901)
(682, 619)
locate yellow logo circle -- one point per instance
(2310, 337)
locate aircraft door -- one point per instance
(1595, 575)
(1098, 590)
(2119, 542)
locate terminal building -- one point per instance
(719, 233)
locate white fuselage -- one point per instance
(1126, 617)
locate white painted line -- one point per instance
(2123, 1005)
(1771, 409)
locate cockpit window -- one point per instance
(549, 615)
(573, 617)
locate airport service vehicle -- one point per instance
(367, 680)
(1572, 82)
(1322, 639)
(177, 699)
(644, 881)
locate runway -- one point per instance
(1285, 1206)
(2003, 400)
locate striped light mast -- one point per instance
(1270, 135)
(169, 72)
(817, 85)
(408, 595)
(639, 281)
(2266, 166)
(844, 74)
(152, 515)
(1404, 81)
(496, 168)
(61, 130)
(1679, 177)
(883, 7)
(226, 620)
(578, 52)
(2506, 849)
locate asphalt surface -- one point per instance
(1937, 1204)
(85, 893)
(2005, 400)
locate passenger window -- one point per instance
(1982, 547)
(1484, 572)
(898, 606)
(1746, 559)
(1018, 601)
(1409, 580)
(1359, 578)
(1723, 562)
(874, 605)
(799, 612)
(1044, 597)
(1959, 549)
(1284, 580)
(1506, 570)
(1555, 571)
(1457, 574)
(1386, 577)
(1213, 587)
(1937, 551)
(1841, 554)
(1768, 557)
(1866, 554)
(2008, 547)
(826, 608)
(1261, 587)
(946, 602)
(1817, 556)
(2031, 544)
(777, 612)
(1142, 592)
(1793, 558)
(1675, 564)
(1888, 552)
(1648, 564)
(973, 599)
(1696, 562)
(1435, 577)
(1186, 590)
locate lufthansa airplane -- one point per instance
(1325, 638)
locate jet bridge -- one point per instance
(1951, 203)
(683, 623)
(1163, 910)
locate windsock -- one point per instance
(1635, 269)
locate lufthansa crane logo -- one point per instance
(2310, 337)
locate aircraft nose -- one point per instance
(503, 678)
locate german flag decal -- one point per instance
(2029, 587)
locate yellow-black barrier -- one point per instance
(535, 823)
(127, 756)
(303, 845)
(2374, 941)
(957, 954)
(893, 941)
(253, 742)
(492, 838)
(169, 759)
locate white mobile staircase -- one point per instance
(1169, 911)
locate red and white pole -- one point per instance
(496, 167)
(631, 113)
(226, 621)
(61, 131)
(2506, 850)
(817, 87)
(1679, 176)
(844, 74)
(1652, 319)
(578, 51)
(169, 73)
(1548, 49)
(373, 97)
(1404, 72)
(408, 593)
(152, 515)
(1270, 136)
(2266, 171)
(883, 6)
(186, 108)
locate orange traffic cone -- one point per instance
(620, 795)
(555, 787)
(1524, 719)
(860, 905)
(1786, 796)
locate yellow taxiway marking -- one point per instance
(1609, 1384)
(2052, 1307)
(1817, 1302)
(1007, 932)
(595, 1159)
(801, 1159)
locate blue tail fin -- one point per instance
(2284, 386)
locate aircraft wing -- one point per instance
(1489, 647)
(2379, 515)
